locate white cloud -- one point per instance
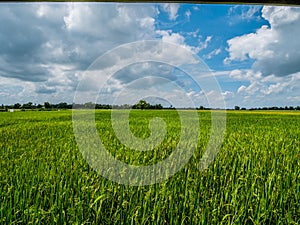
(276, 88)
(240, 13)
(51, 44)
(251, 12)
(267, 91)
(193, 34)
(196, 8)
(294, 100)
(206, 42)
(169, 36)
(241, 89)
(213, 53)
(131, 74)
(245, 75)
(252, 45)
(228, 95)
(171, 9)
(14, 90)
(188, 14)
(179, 39)
(281, 16)
(275, 49)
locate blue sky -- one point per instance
(46, 50)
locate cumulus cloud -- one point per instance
(267, 91)
(43, 89)
(179, 39)
(228, 95)
(274, 48)
(47, 47)
(164, 58)
(71, 34)
(144, 69)
(50, 45)
(169, 36)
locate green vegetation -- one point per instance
(254, 180)
(142, 104)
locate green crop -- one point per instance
(255, 179)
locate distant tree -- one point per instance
(39, 106)
(89, 105)
(47, 105)
(201, 107)
(274, 108)
(62, 105)
(2, 109)
(27, 105)
(76, 106)
(142, 104)
(17, 106)
(171, 107)
(236, 107)
(158, 106)
(125, 106)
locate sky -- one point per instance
(52, 52)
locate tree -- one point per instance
(39, 106)
(236, 107)
(158, 106)
(89, 105)
(17, 106)
(27, 105)
(171, 107)
(62, 105)
(47, 105)
(142, 104)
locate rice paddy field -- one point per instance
(255, 178)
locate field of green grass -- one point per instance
(255, 179)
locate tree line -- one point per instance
(269, 108)
(142, 104)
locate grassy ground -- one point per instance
(254, 180)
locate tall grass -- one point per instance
(255, 178)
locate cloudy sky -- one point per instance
(47, 49)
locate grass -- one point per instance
(255, 178)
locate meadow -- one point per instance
(255, 179)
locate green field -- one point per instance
(255, 178)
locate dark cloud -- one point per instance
(144, 69)
(45, 90)
(34, 37)
(25, 71)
